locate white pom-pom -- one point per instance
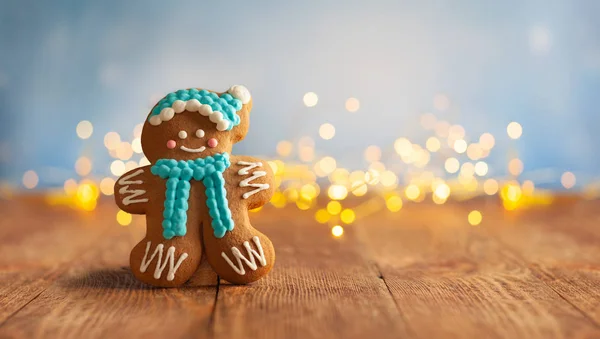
(155, 120)
(241, 93)
(216, 117)
(179, 106)
(167, 114)
(222, 125)
(205, 110)
(193, 105)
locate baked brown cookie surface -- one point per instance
(195, 195)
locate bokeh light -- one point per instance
(475, 217)
(30, 179)
(123, 218)
(352, 104)
(83, 166)
(568, 180)
(514, 130)
(337, 231)
(310, 99)
(84, 129)
(327, 131)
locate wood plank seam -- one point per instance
(22, 307)
(211, 320)
(382, 277)
(537, 273)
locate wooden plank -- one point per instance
(562, 244)
(36, 242)
(98, 297)
(452, 280)
(320, 287)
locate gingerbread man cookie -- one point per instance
(195, 195)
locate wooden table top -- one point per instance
(423, 272)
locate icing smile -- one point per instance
(192, 150)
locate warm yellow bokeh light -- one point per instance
(83, 166)
(475, 218)
(337, 192)
(568, 180)
(123, 218)
(84, 129)
(490, 187)
(310, 99)
(322, 216)
(452, 165)
(284, 148)
(514, 130)
(393, 203)
(348, 216)
(433, 144)
(412, 192)
(107, 186)
(528, 187)
(515, 167)
(327, 131)
(124, 151)
(136, 145)
(337, 231)
(481, 168)
(442, 191)
(70, 187)
(334, 207)
(112, 140)
(487, 141)
(373, 153)
(117, 168)
(460, 146)
(352, 104)
(403, 147)
(30, 179)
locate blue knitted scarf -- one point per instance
(209, 170)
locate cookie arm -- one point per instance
(131, 190)
(254, 180)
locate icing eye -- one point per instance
(182, 134)
(200, 133)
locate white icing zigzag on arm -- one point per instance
(260, 255)
(169, 258)
(125, 182)
(255, 175)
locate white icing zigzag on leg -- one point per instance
(260, 255)
(125, 182)
(169, 258)
(255, 175)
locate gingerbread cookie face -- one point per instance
(194, 197)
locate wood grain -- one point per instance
(452, 280)
(321, 287)
(420, 273)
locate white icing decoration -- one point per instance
(169, 258)
(192, 105)
(192, 150)
(260, 255)
(255, 175)
(125, 182)
(182, 134)
(179, 106)
(241, 93)
(200, 133)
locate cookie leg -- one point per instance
(166, 263)
(243, 255)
